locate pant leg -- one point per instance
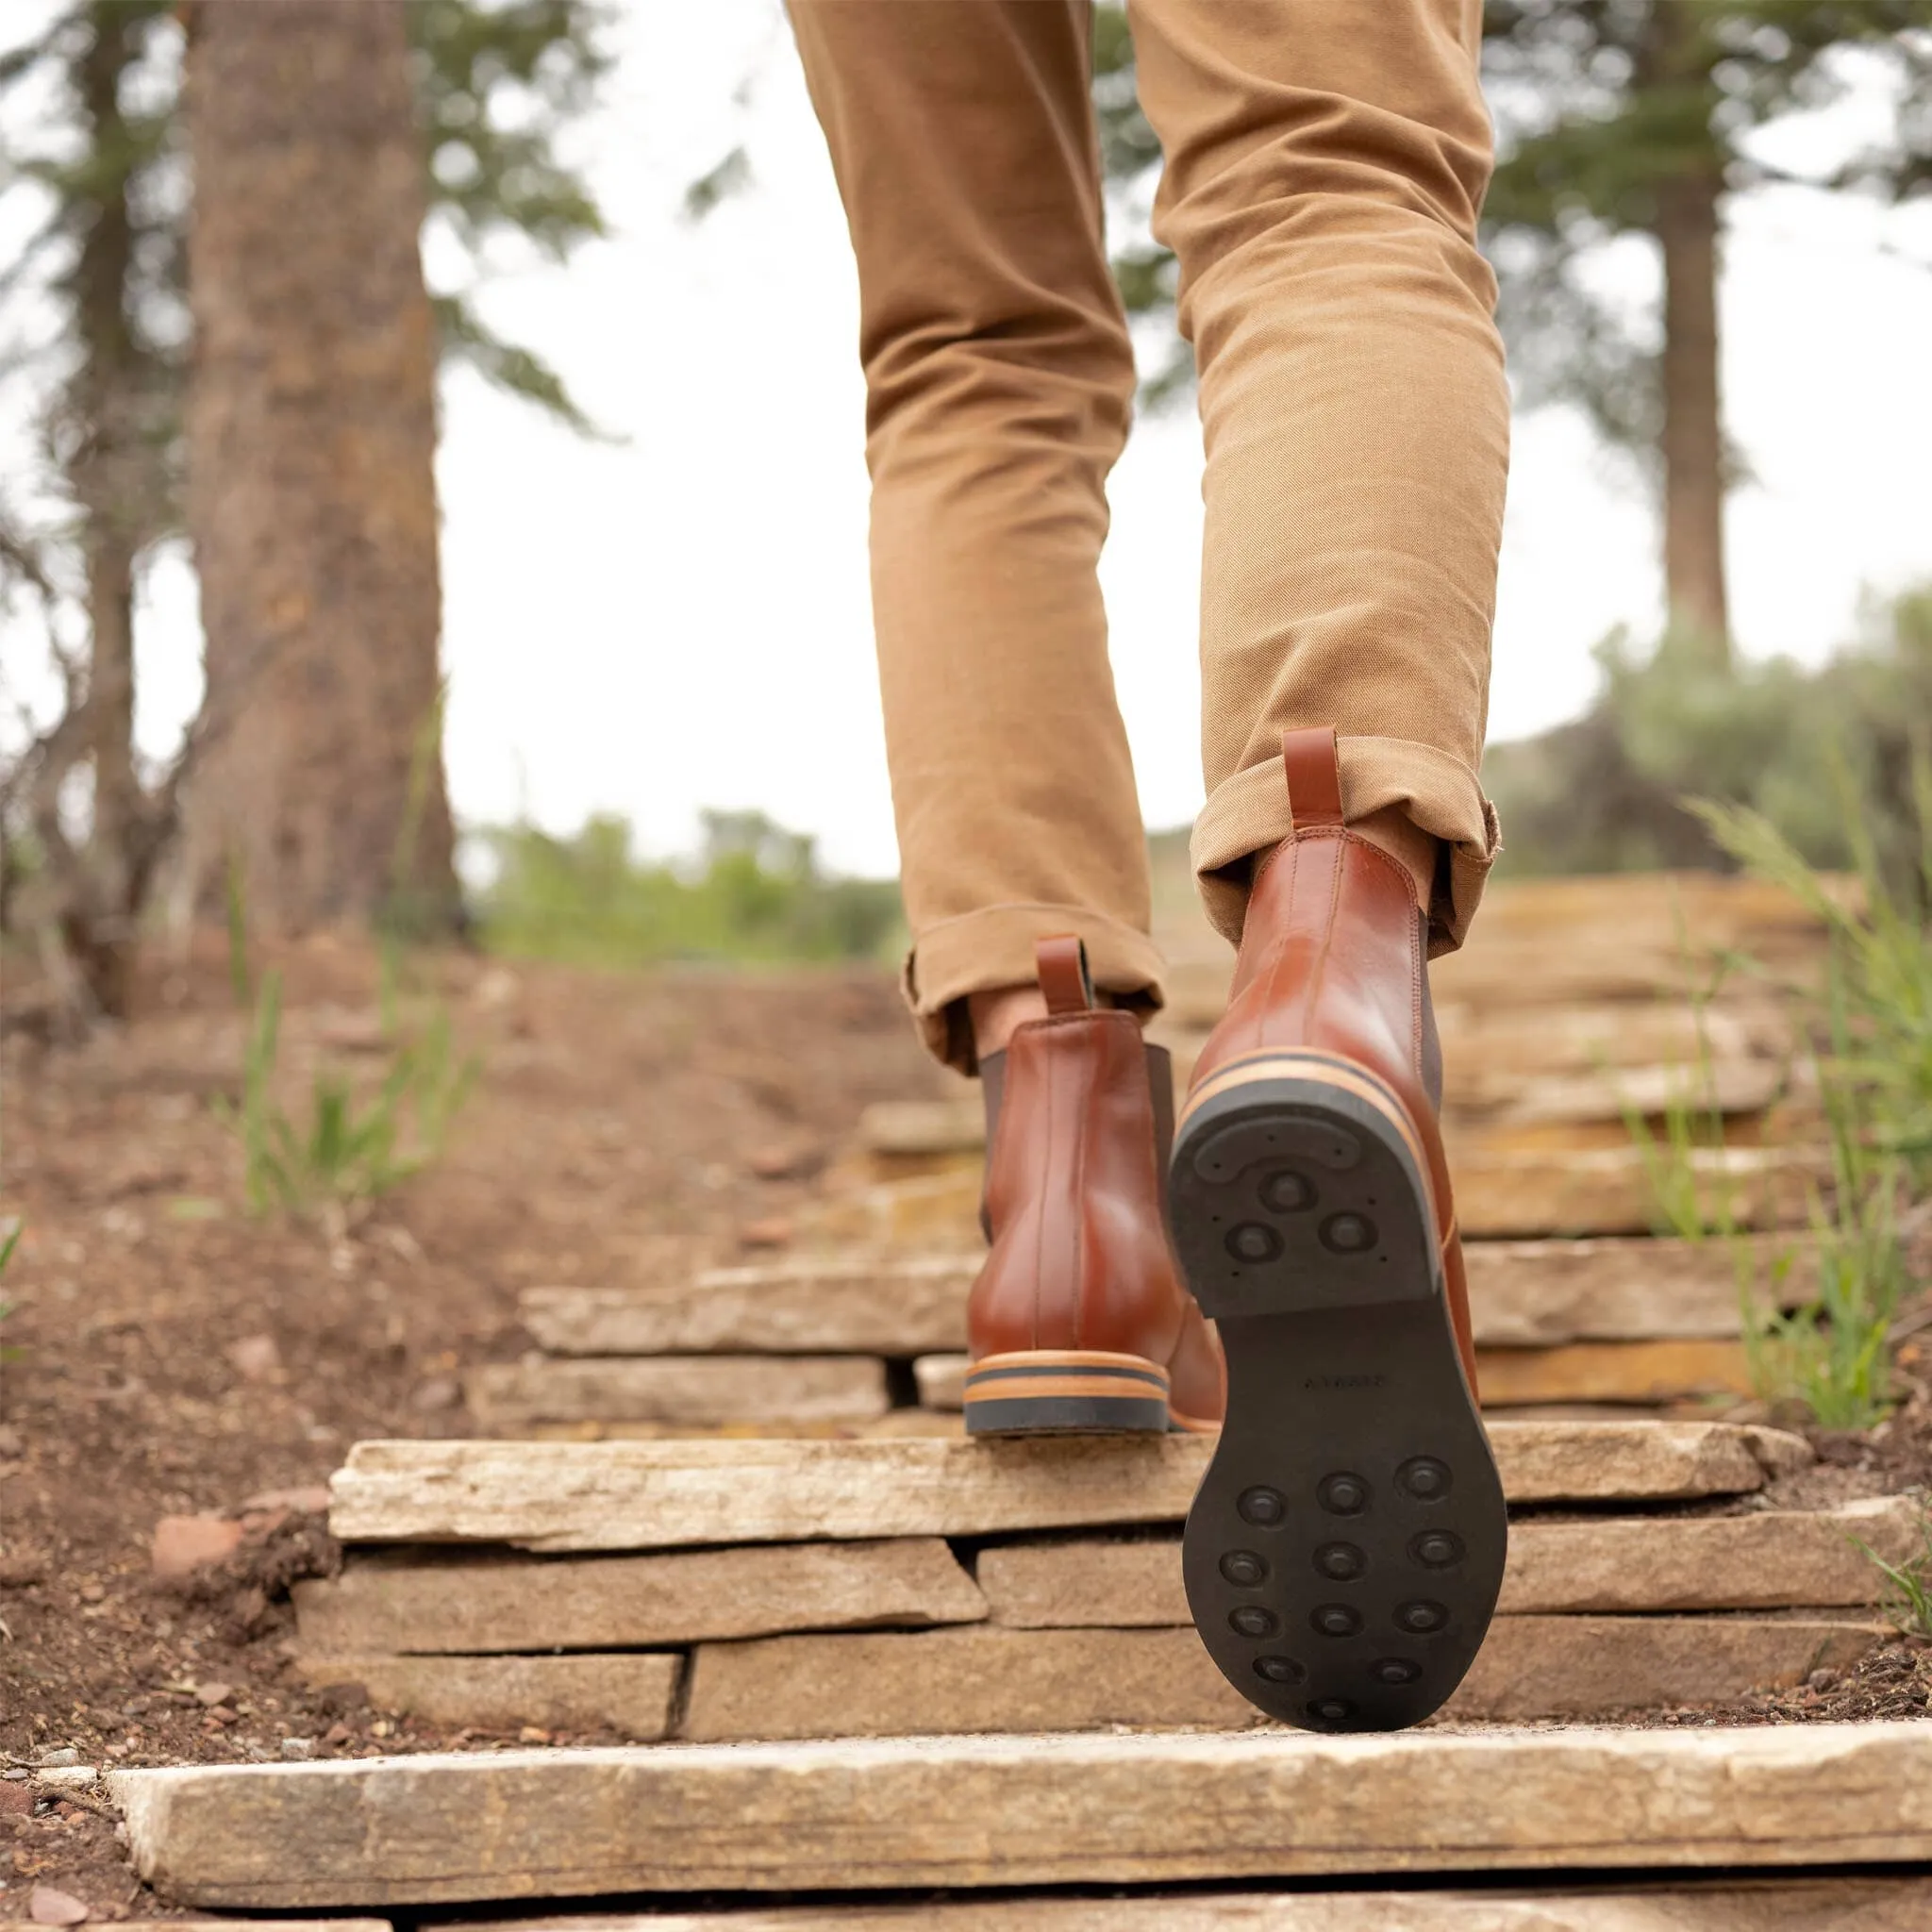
(1325, 160)
(999, 380)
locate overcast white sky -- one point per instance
(682, 620)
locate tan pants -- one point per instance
(1325, 162)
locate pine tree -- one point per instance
(107, 170)
(1634, 117)
(108, 250)
(1618, 118)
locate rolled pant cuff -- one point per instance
(982, 951)
(1439, 794)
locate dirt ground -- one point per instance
(176, 1357)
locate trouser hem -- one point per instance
(1440, 794)
(992, 947)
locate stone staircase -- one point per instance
(1577, 1005)
(897, 1666)
(888, 1678)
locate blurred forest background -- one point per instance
(221, 313)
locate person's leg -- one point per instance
(1325, 160)
(999, 379)
(1324, 165)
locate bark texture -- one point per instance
(1693, 450)
(311, 488)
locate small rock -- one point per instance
(1821, 1679)
(67, 1777)
(20, 1569)
(337, 1734)
(353, 1033)
(339, 1699)
(783, 1163)
(309, 1499)
(184, 1544)
(16, 1801)
(12, 1443)
(208, 1696)
(221, 1714)
(496, 987)
(47, 1907)
(775, 1231)
(298, 1747)
(436, 1393)
(255, 1357)
(532, 1734)
(57, 1754)
(92, 1594)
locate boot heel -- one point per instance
(1046, 1392)
(1343, 1555)
(1296, 1185)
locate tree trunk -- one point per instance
(311, 491)
(1694, 449)
(111, 482)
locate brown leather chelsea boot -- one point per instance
(1343, 1555)
(1079, 1322)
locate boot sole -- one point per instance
(1343, 1555)
(1056, 1392)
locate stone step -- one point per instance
(915, 1813)
(1645, 1372)
(1482, 1096)
(1500, 1193)
(237, 1925)
(430, 1601)
(1767, 1560)
(560, 1496)
(987, 1680)
(1523, 1295)
(1795, 1905)
(631, 1692)
(687, 1391)
(1641, 941)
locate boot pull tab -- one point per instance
(1063, 976)
(1312, 763)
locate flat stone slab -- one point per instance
(1523, 1295)
(1544, 1294)
(1632, 1372)
(562, 1496)
(986, 1680)
(972, 1812)
(688, 1390)
(1480, 1092)
(858, 1303)
(1634, 936)
(1503, 1190)
(1777, 1559)
(897, 1684)
(1585, 1667)
(630, 1693)
(431, 1604)
(1803, 1904)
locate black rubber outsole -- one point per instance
(1343, 1555)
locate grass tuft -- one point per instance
(1908, 1599)
(344, 1152)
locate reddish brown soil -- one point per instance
(616, 1134)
